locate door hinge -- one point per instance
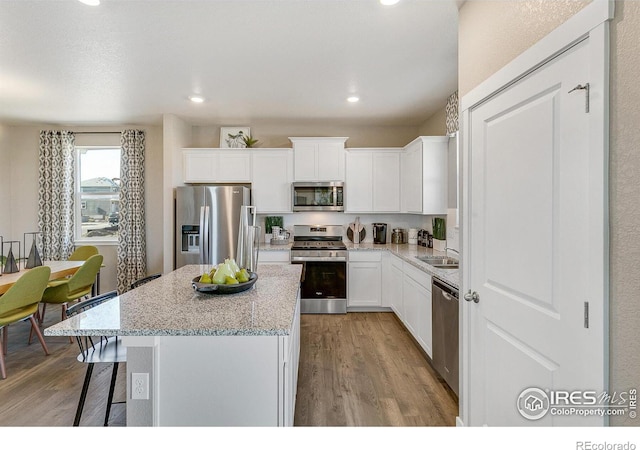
(584, 87)
(586, 314)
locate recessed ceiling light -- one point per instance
(90, 2)
(353, 99)
(389, 2)
(196, 99)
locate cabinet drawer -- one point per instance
(362, 255)
(274, 256)
(417, 275)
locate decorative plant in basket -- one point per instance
(439, 228)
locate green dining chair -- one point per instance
(83, 253)
(67, 290)
(20, 302)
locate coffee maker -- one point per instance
(379, 233)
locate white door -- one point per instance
(536, 253)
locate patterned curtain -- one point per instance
(56, 193)
(132, 244)
(452, 113)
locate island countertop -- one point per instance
(169, 306)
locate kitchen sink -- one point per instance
(439, 262)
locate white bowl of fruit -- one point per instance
(225, 278)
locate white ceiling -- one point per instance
(254, 61)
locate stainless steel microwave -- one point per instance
(318, 196)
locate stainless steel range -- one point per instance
(319, 248)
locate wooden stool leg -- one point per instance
(5, 335)
(44, 308)
(36, 328)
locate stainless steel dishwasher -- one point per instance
(444, 308)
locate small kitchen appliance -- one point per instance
(379, 233)
(318, 196)
(399, 236)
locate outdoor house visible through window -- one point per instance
(97, 193)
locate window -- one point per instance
(97, 193)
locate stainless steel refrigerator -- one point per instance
(207, 222)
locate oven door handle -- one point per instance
(318, 259)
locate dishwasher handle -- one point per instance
(448, 291)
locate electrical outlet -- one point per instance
(140, 386)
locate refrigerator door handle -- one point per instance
(207, 236)
(201, 235)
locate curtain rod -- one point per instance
(96, 132)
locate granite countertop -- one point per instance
(169, 306)
(408, 253)
(267, 247)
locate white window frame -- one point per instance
(78, 239)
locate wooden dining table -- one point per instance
(59, 269)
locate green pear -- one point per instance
(205, 278)
(230, 280)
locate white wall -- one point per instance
(5, 181)
(275, 135)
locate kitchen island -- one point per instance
(212, 360)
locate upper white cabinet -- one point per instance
(424, 176)
(204, 165)
(272, 173)
(373, 180)
(318, 158)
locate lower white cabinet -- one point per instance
(407, 290)
(364, 279)
(416, 295)
(393, 281)
(274, 257)
(218, 380)
(291, 352)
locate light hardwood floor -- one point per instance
(364, 369)
(355, 369)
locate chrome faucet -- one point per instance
(446, 253)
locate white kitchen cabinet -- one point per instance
(202, 165)
(417, 303)
(386, 182)
(272, 174)
(393, 280)
(359, 181)
(372, 180)
(319, 158)
(291, 352)
(274, 257)
(364, 277)
(424, 176)
(240, 381)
